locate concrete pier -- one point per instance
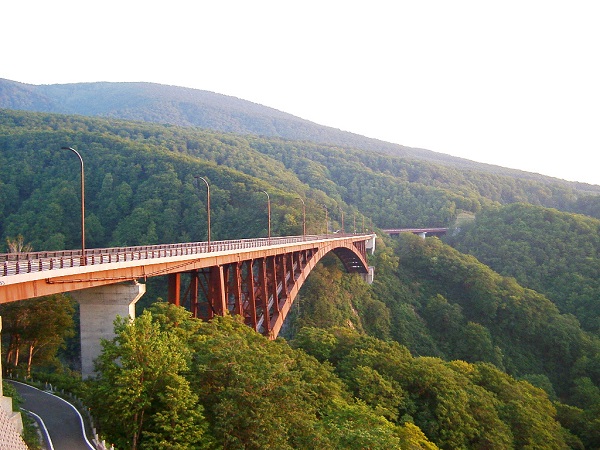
(99, 307)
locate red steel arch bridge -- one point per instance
(254, 278)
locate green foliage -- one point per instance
(194, 108)
(321, 301)
(444, 303)
(526, 327)
(555, 253)
(535, 423)
(138, 191)
(164, 372)
(354, 426)
(260, 394)
(584, 429)
(35, 330)
(139, 173)
(317, 342)
(141, 397)
(456, 405)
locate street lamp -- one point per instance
(342, 212)
(207, 206)
(326, 223)
(269, 214)
(303, 218)
(83, 260)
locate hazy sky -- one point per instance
(513, 83)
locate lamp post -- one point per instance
(269, 214)
(303, 218)
(83, 260)
(207, 207)
(342, 212)
(326, 223)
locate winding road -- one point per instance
(59, 420)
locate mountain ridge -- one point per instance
(168, 104)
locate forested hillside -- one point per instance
(140, 186)
(440, 351)
(553, 252)
(441, 303)
(179, 106)
(229, 387)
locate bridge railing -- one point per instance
(19, 263)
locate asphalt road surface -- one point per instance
(61, 420)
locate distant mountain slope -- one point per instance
(552, 252)
(174, 105)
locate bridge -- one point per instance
(423, 232)
(254, 278)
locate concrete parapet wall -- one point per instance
(11, 423)
(10, 437)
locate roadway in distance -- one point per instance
(61, 420)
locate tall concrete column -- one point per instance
(98, 308)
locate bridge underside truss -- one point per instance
(261, 290)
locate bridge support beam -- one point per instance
(98, 308)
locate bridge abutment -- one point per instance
(99, 306)
(369, 277)
(370, 244)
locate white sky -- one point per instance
(513, 83)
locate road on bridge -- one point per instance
(61, 420)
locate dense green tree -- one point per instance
(142, 398)
(584, 428)
(456, 405)
(34, 330)
(533, 425)
(320, 300)
(526, 327)
(263, 394)
(553, 252)
(128, 164)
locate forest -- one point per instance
(487, 338)
(185, 107)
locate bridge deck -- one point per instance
(26, 275)
(434, 231)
